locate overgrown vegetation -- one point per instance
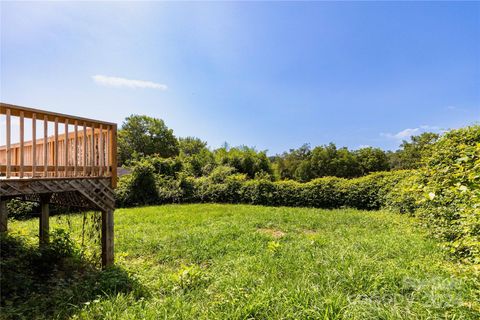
(443, 191)
(54, 280)
(211, 261)
(224, 186)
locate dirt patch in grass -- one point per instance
(276, 233)
(309, 232)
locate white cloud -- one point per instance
(129, 83)
(407, 133)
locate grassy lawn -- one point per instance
(212, 261)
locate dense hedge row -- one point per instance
(367, 192)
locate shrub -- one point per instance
(220, 173)
(221, 186)
(323, 192)
(450, 182)
(404, 197)
(19, 209)
(258, 192)
(370, 192)
(166, 167)
(139, 187)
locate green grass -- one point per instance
(210, 261)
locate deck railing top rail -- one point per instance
(78, 148)
(28, 113)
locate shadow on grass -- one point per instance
(54, 281)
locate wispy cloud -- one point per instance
(407, 133)
(129, 83)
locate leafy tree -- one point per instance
(410, 154)
(244, 159)
(345, 164)
(287, 164)
(189, 146)
(371, 160)
(199, 164)
(303, 171)
(142, 136)
(330, 161)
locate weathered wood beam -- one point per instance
(3, 216)
(44, 227)
(107, 238)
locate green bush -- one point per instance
(450, 182)
(221, 186)
(325, 192)
(139, 187)
(370, 192)
(19, 209)
(404, 197)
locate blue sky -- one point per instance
(269, 75)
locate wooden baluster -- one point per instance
(101, 151)
(55, 155)
(65, 174)
(107, 151)
(45, 146)
(84, 151)
(34, 143)
(9, 150)
(113, 155)
(22, 145)
(75, 143)
(92, 155)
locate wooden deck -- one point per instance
(65, 160)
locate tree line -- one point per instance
(142, 136)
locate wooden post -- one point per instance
(44, 219)
(107, 238)
(3, 215)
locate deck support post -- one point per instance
(44, 229)
(107, 237)
(3, 215)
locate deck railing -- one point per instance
(78, 147)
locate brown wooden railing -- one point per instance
(85, 148)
